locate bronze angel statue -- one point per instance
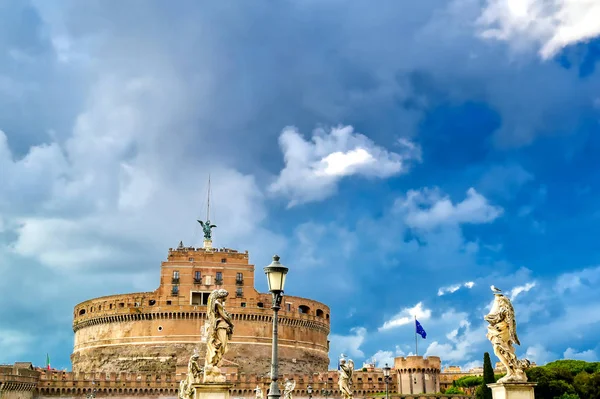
(218, 334)
(502, 333)
(207, 229)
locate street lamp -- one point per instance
(309, 391)
(276, 273)
(386, 375)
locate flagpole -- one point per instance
(416, 341)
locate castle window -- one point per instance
(168, 302)
(152, 302)
(288, 307)
(122, 304)
(199, 298)
(223, 260)
(110, 306)
(243, 304)
(175, 277)
(219, 278)
(239, 292)
(191, 259)
(81, 312)
(175, 290)
(260, 305)
(197, 277)
(239, 279)
(303, 309)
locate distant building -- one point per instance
(417, 375)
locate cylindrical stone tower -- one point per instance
(417, 375)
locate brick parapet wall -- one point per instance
(54, 383)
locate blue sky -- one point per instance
(399, 157)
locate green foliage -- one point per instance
(566, 379)
(468, 381)
(568, 396)
(587, 385)
(488, 377)
(575, 366)
(454, 391)
(479, 392)
(364, 369)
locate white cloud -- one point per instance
(520, 289)
(573, 280)
(314, 167)
(462, 340)
(428, 208)
(455, 287)
(539, 354)
(347, 344)
(112, 186)
(381, 357)
(588, 355)
(406, 316)
(448, 290)
(549, 24)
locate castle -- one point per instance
(156, 332)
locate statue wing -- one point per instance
(213, 225)
(512, 323)
(201, 223)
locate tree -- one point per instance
(468, 381)
(454, 391)
(488, 377)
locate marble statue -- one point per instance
(186, 390)
(207, 229)
(502, 333)
(218, 334)
(345, 378)
(288, 387)
(258, 393)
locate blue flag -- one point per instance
(420, 329)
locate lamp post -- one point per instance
(276, 273)
(386, 375)
(309, 391)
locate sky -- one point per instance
(399, 156)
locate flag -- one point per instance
(420, 329)
(47, 361)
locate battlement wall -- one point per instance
(418, 363)
(213, 255)
(59, 384)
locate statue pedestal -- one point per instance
(208, 244)
(212, 390)
(512, 390)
